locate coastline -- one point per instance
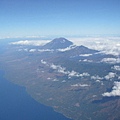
(22, 91)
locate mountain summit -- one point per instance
(58, 43)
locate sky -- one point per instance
(59, 17)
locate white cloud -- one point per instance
(63, 70)
(98, 81)
(110, 75)
(66, 49)
(43, 62)
(76, 74)
(111, 60)
(96, 77)
(63, 81)
(116, 67)
(69, 73)
(55, 80)
(115, 90)
(73, 73)
(80, 85)
(59, 68)
(45, 50)
(30, 42)
(85, 74)
(54, 66)
(107, 45)
(38, 50)
(85, 60)
(85, 55)
(32, 50)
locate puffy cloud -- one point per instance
(115, 90)
(111, 60)
(73, 73)
(43, 62)
(66, 49)
(116, 67)
(63, 70)
(76, 74)
(110, 75)
(59, 68)
(32, 50)
(98, 81)
(69, 73)
(96, 77)
(48, 78)
(85, 60)
(85, 74)
(54, 66)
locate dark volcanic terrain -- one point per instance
(80, 83)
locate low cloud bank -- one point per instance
(30, 42)
(107, 45)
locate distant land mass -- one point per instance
(79, 82)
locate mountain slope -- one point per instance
(82, 50)
(58, 43)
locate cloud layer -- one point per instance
(31, 42)
(107, 45)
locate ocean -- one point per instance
(16, 104)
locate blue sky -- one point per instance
(59, 17)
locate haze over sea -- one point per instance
(16, 104)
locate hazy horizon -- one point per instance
(59, 18)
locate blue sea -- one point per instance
(16, 104)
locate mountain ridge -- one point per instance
(58, 43)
